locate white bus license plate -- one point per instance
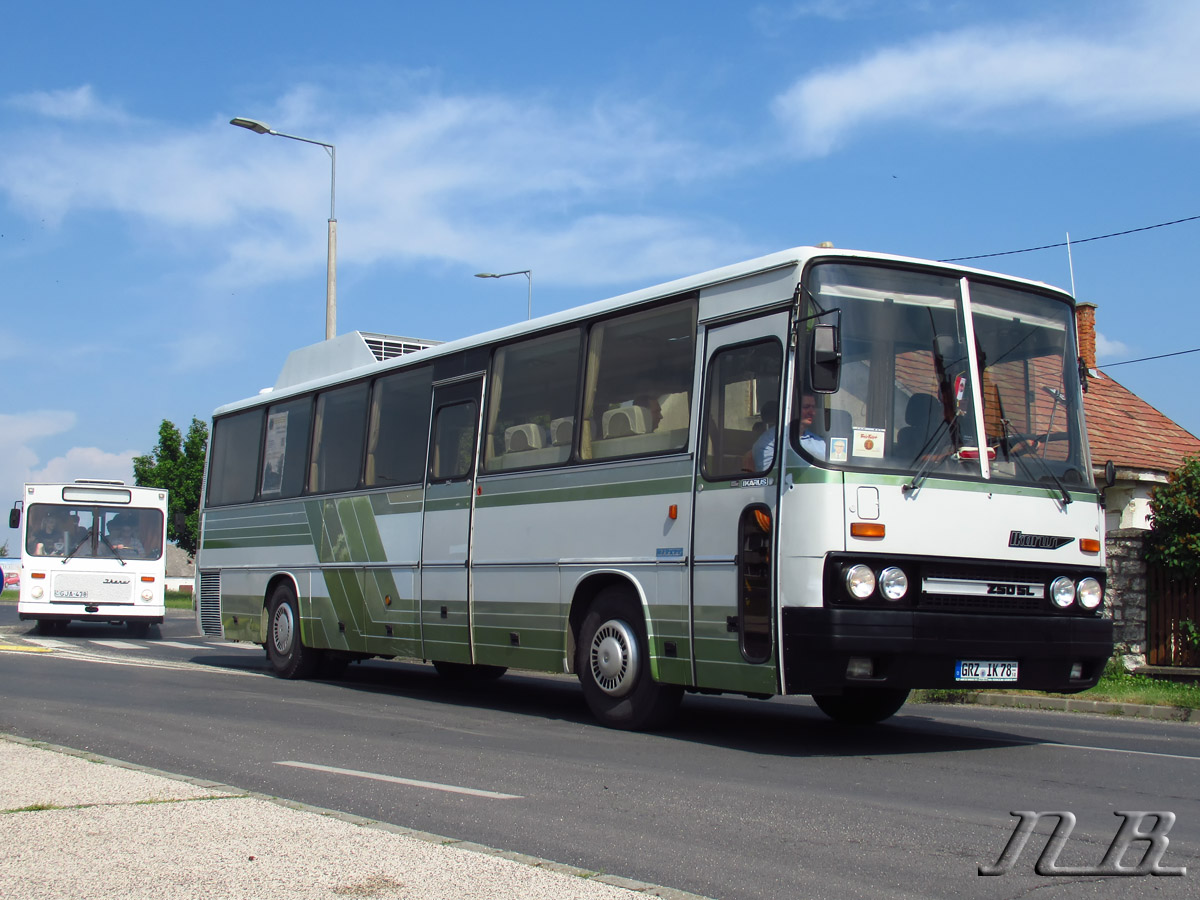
(974, 670)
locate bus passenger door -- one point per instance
(446, 536)
(737, 490)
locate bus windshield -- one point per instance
(907, 396)
(70, 531)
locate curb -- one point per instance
(641, 887)
(1068, 704)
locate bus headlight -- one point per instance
(36, 592)
(860, 581)
(893, 583)
(1062, 591)
(147, 594)
(1090, 593)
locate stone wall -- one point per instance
(1125, 597)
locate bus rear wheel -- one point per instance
(862, 706)
(286, 651)
(613, 662)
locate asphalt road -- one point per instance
(738, 799)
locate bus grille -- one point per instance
(210, 603)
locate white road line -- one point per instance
(177, 644)
(231, 645)
(120, 645)
(51, 644)
(1118, 750)
(432, 785)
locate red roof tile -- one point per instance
(1132, 433)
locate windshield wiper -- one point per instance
(1009, 434)
(108, 544)
(927, 463)
(75, 549)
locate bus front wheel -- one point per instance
(862, 706)
(286, 651)
(613, 663)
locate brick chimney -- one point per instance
(1085, 328)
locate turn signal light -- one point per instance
(1089, 545)
(867, 529)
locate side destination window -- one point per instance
(531, 413)
(285, 448)
(398, 428)
(338, 431)
(233, 466)
(637, 396)
(741, 423)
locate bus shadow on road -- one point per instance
(789, 727)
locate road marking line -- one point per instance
(25, 648)
(432, 785)
(1119, 750)
(231, 645)
(179, 644)
(119, 645)
(50, 644)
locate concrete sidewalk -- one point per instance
(74, 824)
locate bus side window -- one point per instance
(532, 404)
(338, 439)
(637, 399)
(233, 469)
(286, 452)
(398, 428)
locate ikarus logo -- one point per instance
(1037, 541)
(118, 581)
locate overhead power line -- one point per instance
(1099, 237)
(1148, 358)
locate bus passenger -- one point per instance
(50, 537)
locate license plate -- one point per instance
(976, 670)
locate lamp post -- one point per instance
(331, 263)
(528, 273)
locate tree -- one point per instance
(177, 464)
(1175, 521)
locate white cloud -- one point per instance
(78, 104)
(1109, 349)
(422, 177)
(87, 462)
(1143, 68)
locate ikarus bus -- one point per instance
(91, 551)
(823, 472)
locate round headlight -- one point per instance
(860, 581)
(36, 592)
(147, 594)
(1090, 593)
(1062, 591)
(893, 583)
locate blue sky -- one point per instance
(158, 262)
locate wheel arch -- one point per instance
(586, 591)
(272, 583)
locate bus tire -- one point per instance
(286, 651)
(50, 626)
(138, 629)
(862, 706)
(613, 662)
(465, 673)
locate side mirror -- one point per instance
(179, 521)
(825, 359)
(14, 516)
(1110, 474)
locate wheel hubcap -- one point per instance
(283, 629)
(614, 658)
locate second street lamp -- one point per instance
(528, 273)
(331, 262)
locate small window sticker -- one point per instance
(868, 442)
(839, 449)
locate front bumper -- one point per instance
(918, 649)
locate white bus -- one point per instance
(819, 472)
(92, 551)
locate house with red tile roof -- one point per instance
(1144, 445)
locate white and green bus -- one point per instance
(92, 550)
(820, 472)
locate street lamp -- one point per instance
(331, 264)
(528, 273)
